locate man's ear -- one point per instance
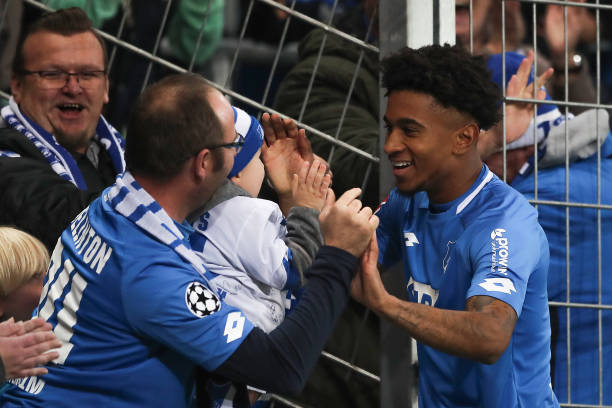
(465, 138)
(203, 163)
(16, 84)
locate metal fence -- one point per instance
(330, 86)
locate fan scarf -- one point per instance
(59, 158)
(129, 199)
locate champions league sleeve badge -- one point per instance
(200, 300)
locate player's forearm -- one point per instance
(475, 335)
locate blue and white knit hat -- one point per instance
(249, 128)
(548, 116)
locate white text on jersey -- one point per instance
(411, 239)
(94, 250)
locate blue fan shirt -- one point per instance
(133, 317)
(485, 243)
(583, 273)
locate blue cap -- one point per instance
(548, 115)
(249, 128)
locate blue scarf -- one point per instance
(59, 158)
(132, 201)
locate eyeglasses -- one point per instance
(236, 144)
(57, 78)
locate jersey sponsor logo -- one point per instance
(500, 251)
(422, 293)
(447, 256)
(234, 326)
(503, 285)
(411, 239)
(200, 300)
(32, 385)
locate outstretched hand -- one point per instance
(345, 224)
(367, 287)
(310, 187)
(554, 30)
(518, 114)
(24, 347)
(284, 152)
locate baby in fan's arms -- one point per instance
(256, 258)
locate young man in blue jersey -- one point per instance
(130, 301)
(474, 256)
(583, 130)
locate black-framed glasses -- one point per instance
(236, 144)
(55, 79)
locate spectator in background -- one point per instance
(23, 264)
(257, 258)
(191, 35)
(57, 153)
(584, 284)
(487, 39)
(24, 343)
(360, 128)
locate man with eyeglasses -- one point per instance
(57, 153)
(131, 302)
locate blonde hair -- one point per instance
(22, 257)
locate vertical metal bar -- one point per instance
(316, 66)
(157, 41)
(567, 214)
(199, 40)
(242, 32)
(277, 56)
(535, 115)
(599, 232)
(472, 30)
(504, 141)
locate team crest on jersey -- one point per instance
(200, 300)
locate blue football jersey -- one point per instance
(583, 273)
(133, 318)
(485, 243)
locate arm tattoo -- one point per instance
(500, 310)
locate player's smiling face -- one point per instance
(419, 142)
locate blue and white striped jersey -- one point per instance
(134, 320)
(485, 243)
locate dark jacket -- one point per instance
(36, 199)
(360, 127)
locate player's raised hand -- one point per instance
(367, 287)
(310, 186)
(346, 224)
(23, 354)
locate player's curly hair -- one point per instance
(452, 76)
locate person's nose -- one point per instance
(72, 84)
(393, 142)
